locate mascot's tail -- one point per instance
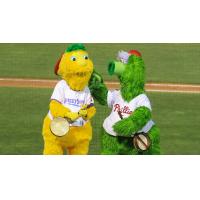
(98, 88)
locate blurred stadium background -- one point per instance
(23, 109)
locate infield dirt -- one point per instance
(151, 87)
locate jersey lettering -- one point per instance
(125, 109)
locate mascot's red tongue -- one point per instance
(135, 52)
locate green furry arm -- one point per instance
(98, 89)
(128, 126)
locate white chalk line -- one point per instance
(161, 84)
(173, 91)
(173, 85)
(117, 84)
(28, 80)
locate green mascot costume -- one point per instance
(129, 129)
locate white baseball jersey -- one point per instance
(71, 99)
(117, 103)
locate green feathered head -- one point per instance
(75, 47)
(130, 71)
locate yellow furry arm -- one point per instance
(58, 110)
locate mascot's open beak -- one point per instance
(116, 68)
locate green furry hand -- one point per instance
(95, 81)
(97, 88)
(128, 126)
(124, 127)
(97, 77)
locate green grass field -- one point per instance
(23, 110)
(164, 62)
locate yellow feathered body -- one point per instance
(75, 68)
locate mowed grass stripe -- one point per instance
(23, 111)
(176, 63)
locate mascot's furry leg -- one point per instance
(124, 145)
(76, 142)
(51, 145)
(112, 145)
(81, 148)
(109, 144)
(154, 135)
(84, 134)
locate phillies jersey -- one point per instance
(71, 99)
(125, 109)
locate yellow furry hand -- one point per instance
(84, 107)
(83, 111)
(72, 116)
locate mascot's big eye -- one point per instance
(86, 57)
(73, 58)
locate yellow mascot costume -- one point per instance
(71, 99)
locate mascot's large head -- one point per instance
(75, 67)
(130, 70)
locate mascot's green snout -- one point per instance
(116, 67)
(129, 129)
